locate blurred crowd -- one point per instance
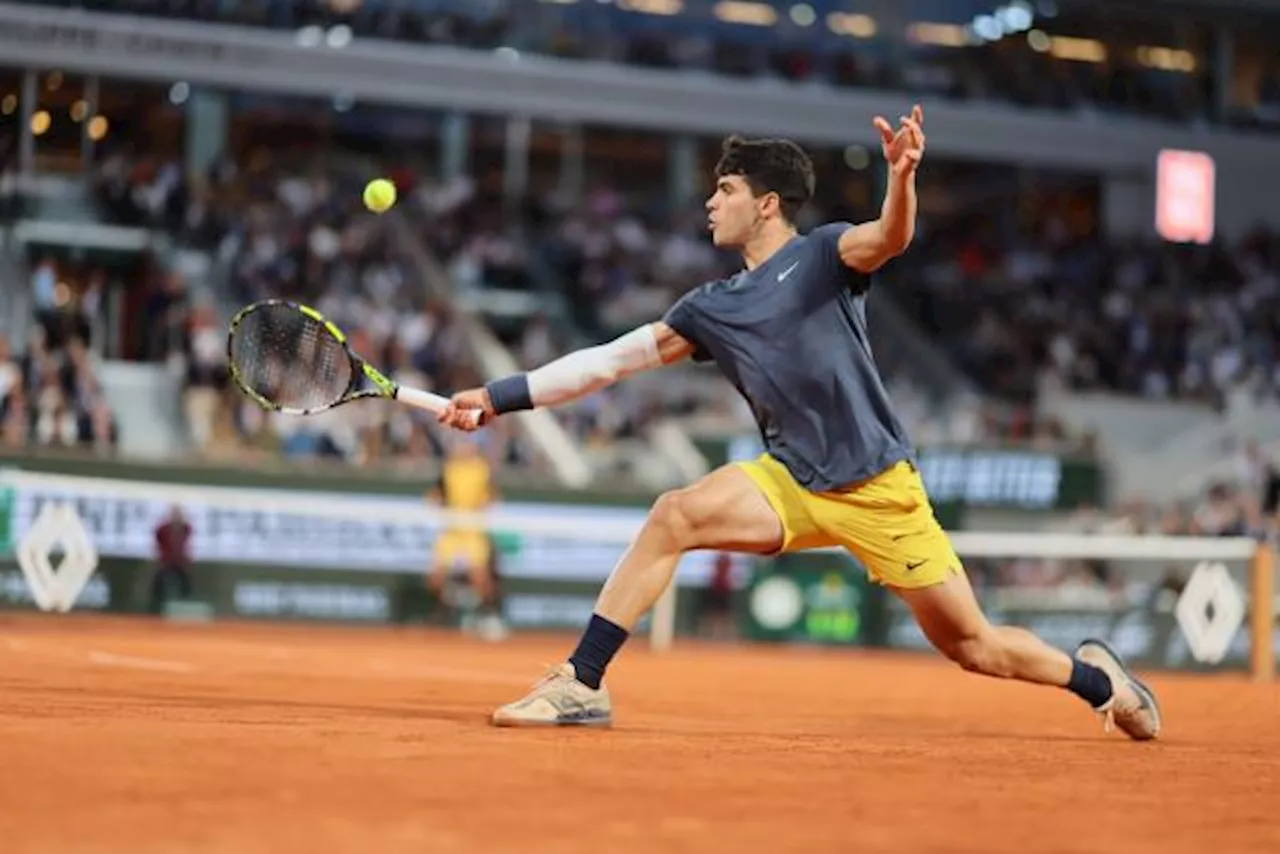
(1019, 310)
(1243, 503)
(1048, 308)
(1007, 70)
(616, 261)
(487, 248)
(50, 392)
(290, 224)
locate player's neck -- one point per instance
(763, 245)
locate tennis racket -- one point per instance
(287, 357)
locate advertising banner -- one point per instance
(806, 597)
(235, 531)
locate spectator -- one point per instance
(10, 372)
(52, 397)
(207, 375)
(44, 295)
(172, 578)
(716, 618)
(1224, 512)
(15, 419)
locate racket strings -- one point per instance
(290, 359)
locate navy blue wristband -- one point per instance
(510, 394)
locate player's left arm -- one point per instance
(867, 246)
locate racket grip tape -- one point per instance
(433, 403)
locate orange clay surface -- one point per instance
(119, 735)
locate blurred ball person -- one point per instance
(467, 552)
(717, 600)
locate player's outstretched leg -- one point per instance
(951, 618)
(725, 510)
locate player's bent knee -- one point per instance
(671, 516)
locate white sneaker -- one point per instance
(1132, 706)
(559, 699)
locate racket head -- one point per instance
(287, 357)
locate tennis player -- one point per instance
(790, 332)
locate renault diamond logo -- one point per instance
(1209, 632)
(57, 588)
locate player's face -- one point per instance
(733, 212)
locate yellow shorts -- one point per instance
(886, 521)
(462, 549)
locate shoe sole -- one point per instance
(597, 723)
(1140, 687)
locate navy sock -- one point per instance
(599, 644)
(1089, 683)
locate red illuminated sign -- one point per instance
(1184, 196)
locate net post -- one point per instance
(662, 626)
(1262, 603)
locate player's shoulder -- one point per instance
(827, 234)
(823, 245)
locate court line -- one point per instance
(381, 666)
(110, 659)
(96, 656)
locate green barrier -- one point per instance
(806, 597)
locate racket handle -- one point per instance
(433, 403)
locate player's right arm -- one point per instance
(572, 376)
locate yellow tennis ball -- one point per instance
(379, 195)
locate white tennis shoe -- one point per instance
(558, 699)
(1132, 706)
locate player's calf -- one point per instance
(985, 653)
(952, 620)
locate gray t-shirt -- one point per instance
(791, 335)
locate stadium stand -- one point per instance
(816, 43)
(1053, 302)
(300, 232)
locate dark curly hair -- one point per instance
(770, 166)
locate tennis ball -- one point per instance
(379, 195)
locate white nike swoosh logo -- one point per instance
(787, 272)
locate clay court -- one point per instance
(118, 735)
